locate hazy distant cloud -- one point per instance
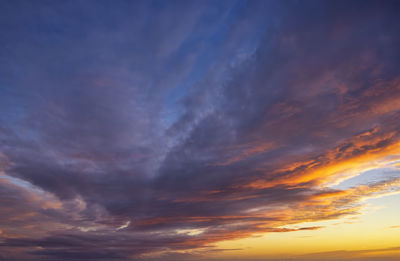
(370, 254)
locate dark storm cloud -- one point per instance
(145, 127)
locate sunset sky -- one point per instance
(199, 130)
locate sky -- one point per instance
(199, 130)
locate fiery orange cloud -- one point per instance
(368, 150)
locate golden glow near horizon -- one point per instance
(373, 232)
(368, 185)
(347, 237)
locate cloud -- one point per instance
(136, 128)
(368, 254)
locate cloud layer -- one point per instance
(154, 130)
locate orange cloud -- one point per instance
(248, 150)
(366, 151)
